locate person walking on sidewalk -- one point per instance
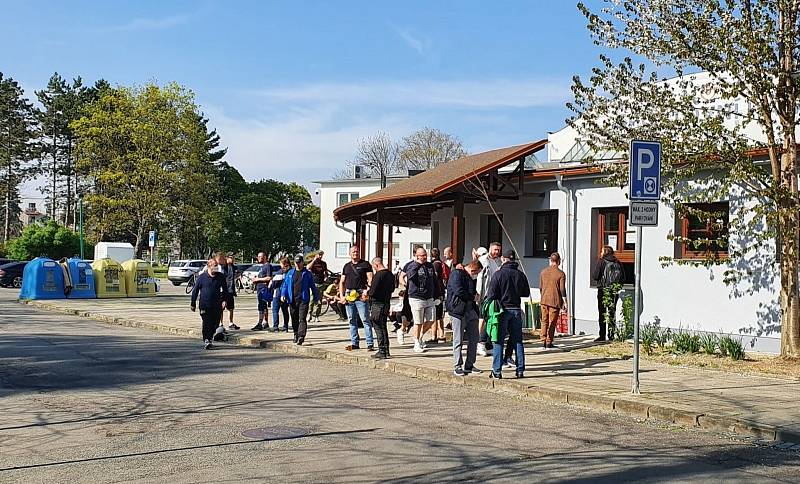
(553, 287)
(419, 277)
(490, 260)
(319, 271)
(297, 289)
(356, 277)
(442, 273)
(508, 286)
(229, 271)
(279, 307)
(380, 295)
(212, 291)
(461, 298)
(607, 273)
(263, 294)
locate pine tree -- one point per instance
(17, 132)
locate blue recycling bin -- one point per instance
(43, 278)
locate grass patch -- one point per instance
(751, 364)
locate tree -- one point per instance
(138, 145)
(50, 239)
(378, 154)
(428, 148)
(749, 50)
(63, 103)
(17, 136)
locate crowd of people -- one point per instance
(481, 297)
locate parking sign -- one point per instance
(645, 170)
(151, 240)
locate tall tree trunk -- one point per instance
(7, 221)
(789, 226)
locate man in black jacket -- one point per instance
(463, 311)
(508, 286)
(380, 295)
(212, 291)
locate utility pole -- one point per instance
(7, 222)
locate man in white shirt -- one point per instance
(491, 263)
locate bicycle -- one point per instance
(245, 284)
(190, 283)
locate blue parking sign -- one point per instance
(645, 170)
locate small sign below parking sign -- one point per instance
(645, 170)
(643, 214)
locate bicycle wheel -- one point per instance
(190, 284)
(324, 305)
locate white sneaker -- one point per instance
(207, 344)
(509, 363)
(401, 340)
(418, 348)
(423, 344)
(482, 349)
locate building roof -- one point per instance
(432, 185)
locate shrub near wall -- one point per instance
(50, 239)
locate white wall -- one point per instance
(330, 233)
(679, 296)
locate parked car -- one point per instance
(11, 274)
(181, 270)
(252, 271)
(3, 260)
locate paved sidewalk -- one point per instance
(765, 408)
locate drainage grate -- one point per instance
(275, 433)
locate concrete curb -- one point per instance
(627, 405)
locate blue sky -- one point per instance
(292, 86)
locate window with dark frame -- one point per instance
(494, 230)
(703, 230)
(613, 230)
(545, 233)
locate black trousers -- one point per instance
(210, 318)
(299, 313)
(378, 313)
(601, 313)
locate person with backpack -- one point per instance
(607, 273)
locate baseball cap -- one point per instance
(481, 251)
(510, 254)
(299, 258)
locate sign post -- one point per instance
(151, 242)
(645, 192)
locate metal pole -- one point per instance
(80, 221)
(637, 310)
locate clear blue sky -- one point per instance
(291, 86)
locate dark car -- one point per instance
(11, 274)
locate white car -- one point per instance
(181, 270)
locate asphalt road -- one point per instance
(86, 402)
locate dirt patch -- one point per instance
(753, 364)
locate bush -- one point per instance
(709, 343)
(663, 336)
(685, 342)
(649, 336)
(731, 347)
(49, 239)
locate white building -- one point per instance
(336, 238)
(561, 206)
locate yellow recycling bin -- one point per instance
(140, 280)
(109, 278)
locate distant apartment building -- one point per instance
(31, 215)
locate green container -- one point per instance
(533, 313)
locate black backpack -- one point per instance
(613, 273)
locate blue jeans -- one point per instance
(511, 324)
(352, 315)
(278, 305)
